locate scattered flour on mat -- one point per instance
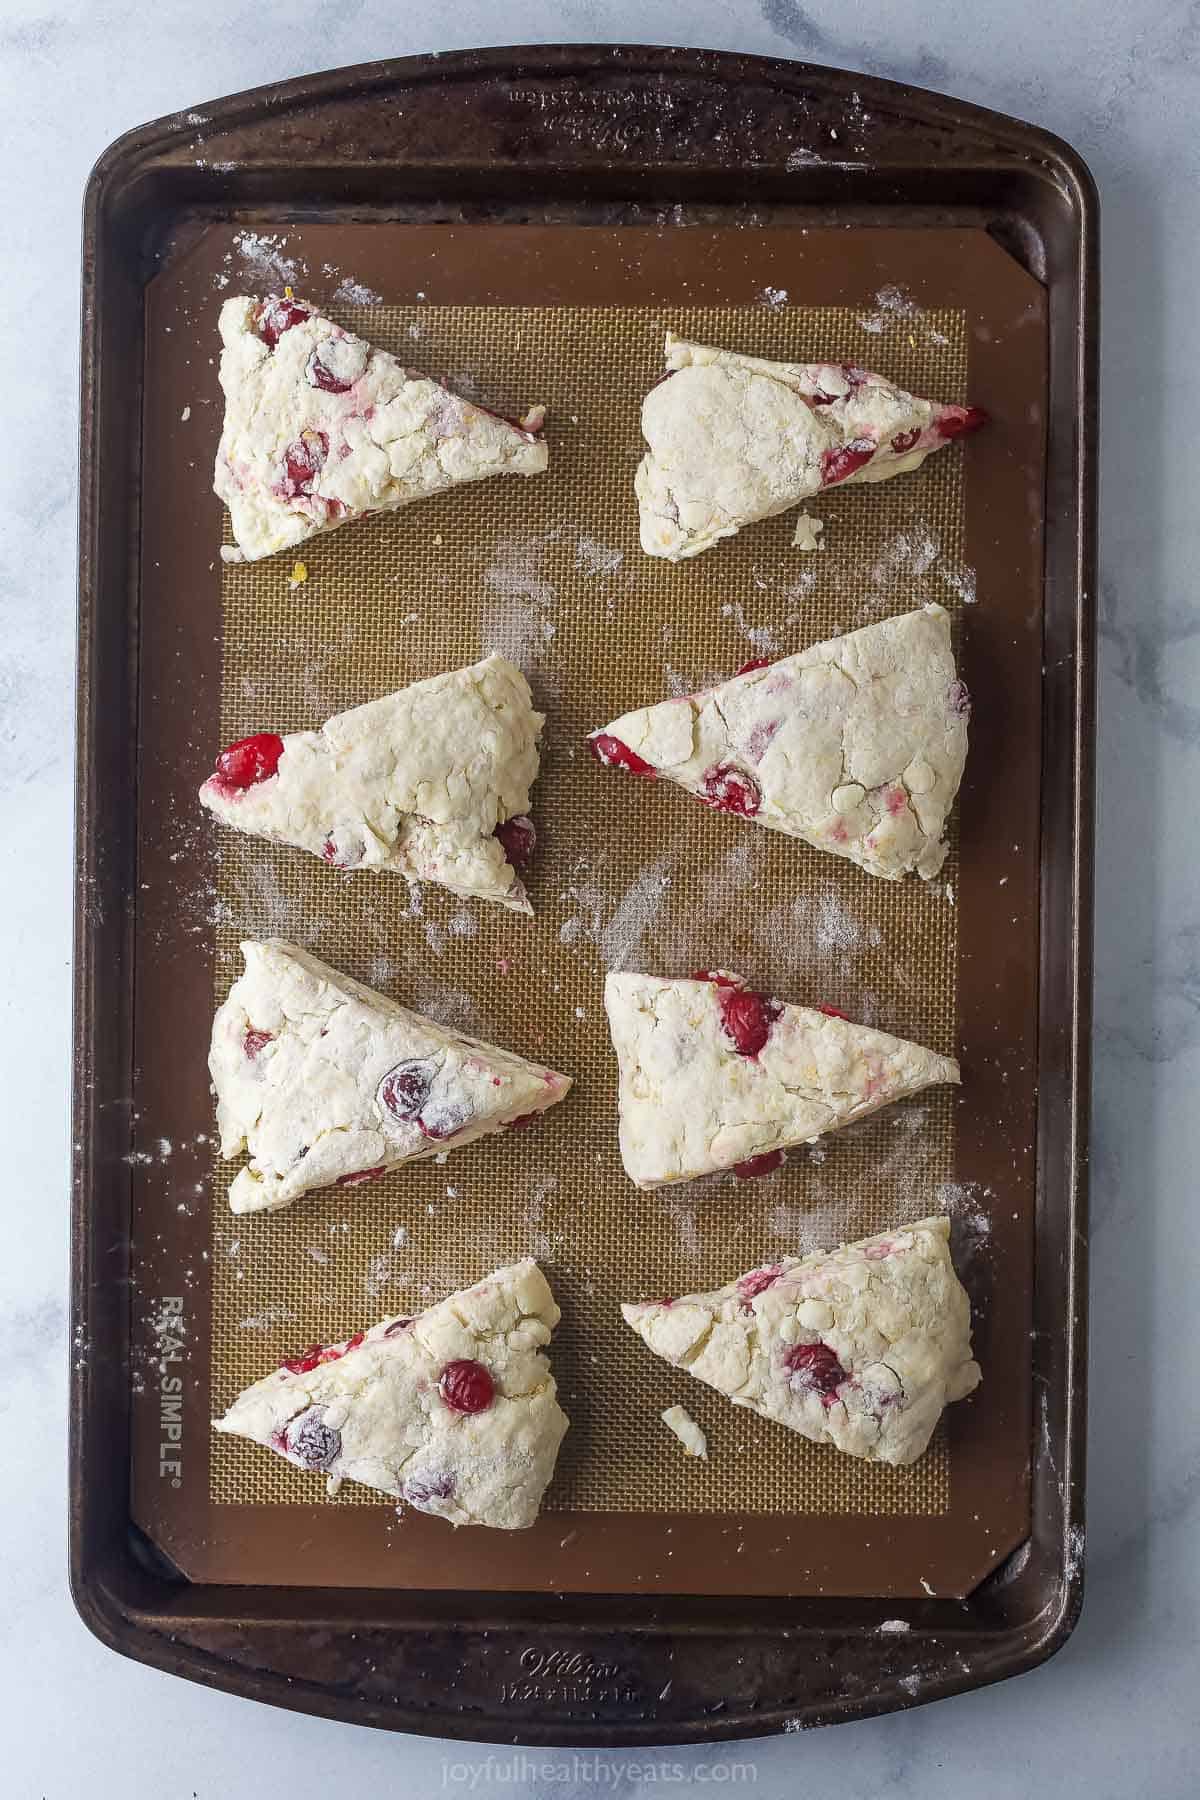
(836, 929)
(355, 293)
(893, 305)
(635, 912)
(518, 623)
(774, 297)
(263, 1321)
(761, 636)
(683, 1217)
(595, 558)
(893, 1627)
(262, 259)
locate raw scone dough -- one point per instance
(417, 782)
(679, 1420)
(454, 1411)
(856, 745)
(737, 438)
(322, 428)
(323, 1080)
(715, 1076)
(861, 1348)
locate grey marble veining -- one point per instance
(1116, 1713)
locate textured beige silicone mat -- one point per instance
(628, 874)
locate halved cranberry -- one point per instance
(958, 699)
(319, 376)
(405, 1089)
(832, 1012)
(360, 1175)
(754, 1166)
(759, 1280)
(614, 754)
(420, 1489)
(730, 789)
(276, 315)
(250, 760)
(816, 1368)
(521, 1123)
(445, 1117)
(756, 662)
(904, 440)
(466, 1387)
(837, 465)
(313, 1442)
(518, 839)
(254, 1041)
(304, 1362)
(302, 462)
(958, 420)
(335, 1352)
(747, 1017)
(397, 1326)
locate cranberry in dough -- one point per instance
(432, 782)
(713, 1075)
(321, 428)
(861, 1348)
(454, 1412)
(324, 1081)
(733, 439)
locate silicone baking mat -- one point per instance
(627, 874)
(549, 572)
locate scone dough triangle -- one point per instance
(325, 1081)
(861, 1348)
(856, 745)
(321, 428)
(733, 439)
(714, 1075)
(432, 782)
(454, 1411)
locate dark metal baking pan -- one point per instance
(566, 138)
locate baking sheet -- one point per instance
(627, 875)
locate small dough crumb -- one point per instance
(807, 533)
(299, 575)
(679, 1420)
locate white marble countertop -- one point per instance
(1115, 1713)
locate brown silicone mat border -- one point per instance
(1032, 194)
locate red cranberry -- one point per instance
(614, 754)
(837, 465)
(420, 1489)
(276, 315)
(958, 699)
(521, 1123)
(250, 760)
(756, 662)
(957, 421)
(305, 1362)
(895, 799)
(832, 1012)
(719, 978)
(730, 789)
(815, 1367)
(518, 839)
(302, 462)
(397, 1326)
(445, 1118)
(311, 1441)
(254, 1041)
(360, 1175)
(466, 1387)
(405, 1089)
(747, 1017)
(758, 1280)
(754, 1166)
(319, 376)
(903, 441)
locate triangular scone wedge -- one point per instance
(737, 438)
(856, 745)
(322, 428)
(861, 1348)
(454, 1411)
(325, 1081)
(432, 782)
(716, 1076)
